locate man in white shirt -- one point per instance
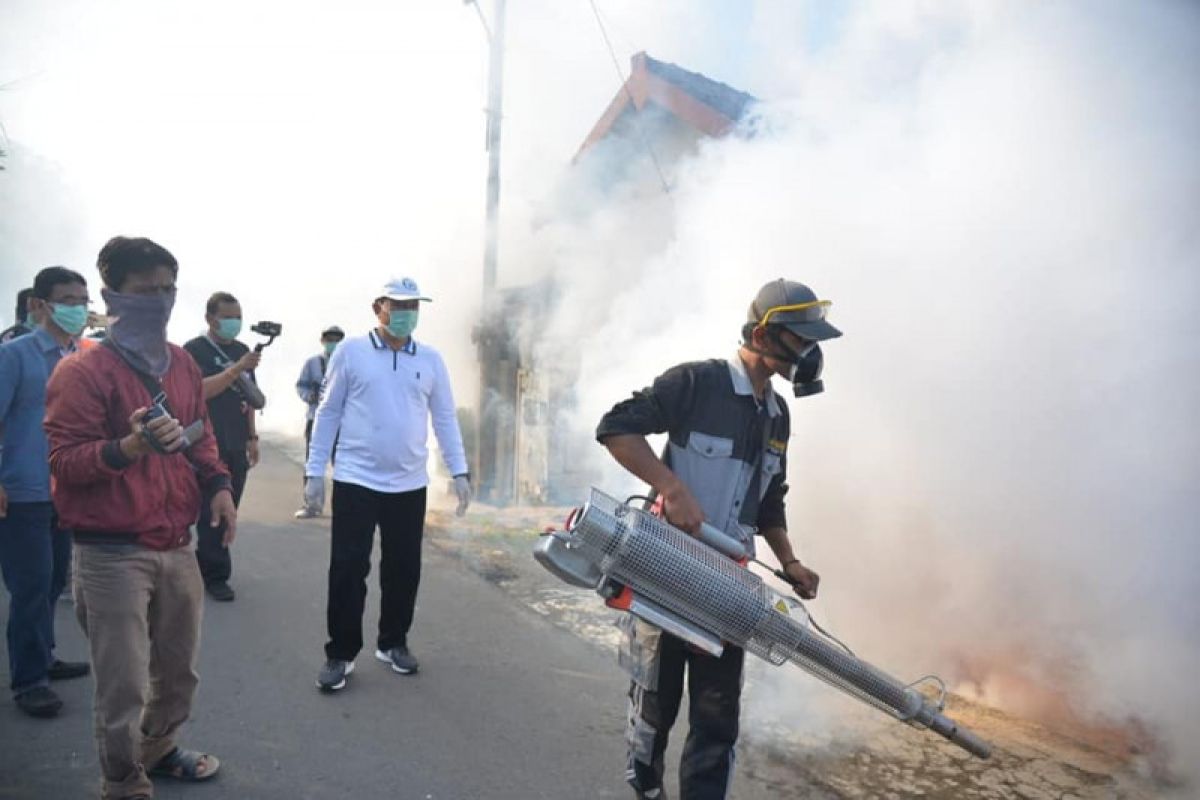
(380, 392)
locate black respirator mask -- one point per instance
(806, 365)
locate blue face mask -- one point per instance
(229, 328)
(401, 322)
(71, 319)
(329, 347)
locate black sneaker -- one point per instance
(400, 660)
(221, 591)
(65, 670)
(333, 675)
(39, 701)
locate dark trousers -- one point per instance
(216, 565)
(714, 705)
(400, 517)
(60, 545)
(35, 558)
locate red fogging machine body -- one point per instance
(694, 587)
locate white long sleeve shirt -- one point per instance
(378, 403)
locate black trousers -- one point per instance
(216, 565)
(400, 517)
(714, 706)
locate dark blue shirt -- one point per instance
(25, 366)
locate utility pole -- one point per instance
(491, 444)
(495, 113)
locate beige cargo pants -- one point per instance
(141, 611)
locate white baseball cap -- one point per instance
(403, 289)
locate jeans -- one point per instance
(35, 558)
(400, 517)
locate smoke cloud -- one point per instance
(999, 482)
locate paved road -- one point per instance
(506, 705)
(510, 703)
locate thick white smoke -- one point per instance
(1000, 481)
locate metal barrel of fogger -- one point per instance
(690, 579)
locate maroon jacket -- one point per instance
(152, 500)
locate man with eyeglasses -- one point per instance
(35, 554)
(133, 457)
(725, 463)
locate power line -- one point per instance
(629, 93)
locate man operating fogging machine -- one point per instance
(724, 464)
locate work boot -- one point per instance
(399, 659)
(39, 701)
(65, 670)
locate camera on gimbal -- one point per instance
(269, 329)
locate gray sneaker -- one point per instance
(333, 675)
(400, 660)
(307, 513)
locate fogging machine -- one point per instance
(694, 587)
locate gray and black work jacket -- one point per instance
(726, 446)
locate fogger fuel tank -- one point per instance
(695, 592)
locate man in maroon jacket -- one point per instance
(129, 480)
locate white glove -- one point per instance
(314, 494)
(462, 488)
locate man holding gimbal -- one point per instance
(133, 461)
(228, 369)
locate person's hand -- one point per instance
(248, 362)
(3, 503)
(804, 581)
(223, 510)
(462, 488)
(314, 493)
(166, 430)
(252, 452)
(681, 508)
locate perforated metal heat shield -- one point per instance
(701, 585)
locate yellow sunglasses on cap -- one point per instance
(814, 310)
